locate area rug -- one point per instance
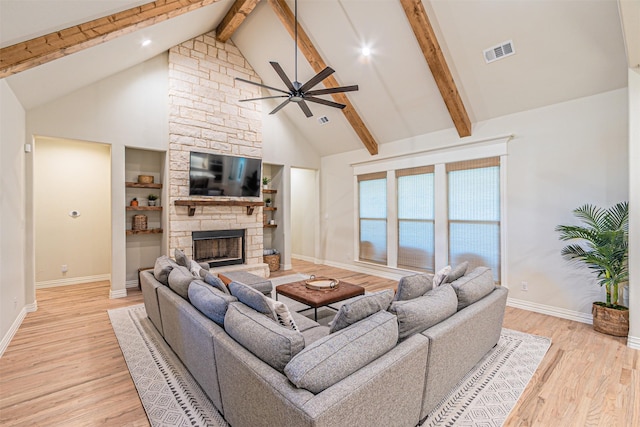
(171, 397)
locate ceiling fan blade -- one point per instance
(264, 97)
(332, 90)
(317, 79)
(281, 106)
(305, 108)
(282, 75)
(261, 85)
(324, 102)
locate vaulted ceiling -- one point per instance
(563, 50)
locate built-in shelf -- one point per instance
(270, 208)
(149, 231)
(268, 191)
(144, 208)
(270, 225)
(138, 185)
(192, 204)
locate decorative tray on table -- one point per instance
(321, 283)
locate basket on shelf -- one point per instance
(139, 222)
(273, 261)
(145, 179)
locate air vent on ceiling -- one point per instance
(500, 51)
(323, 120)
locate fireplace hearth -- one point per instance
(219, 247)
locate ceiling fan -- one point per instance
(297, 92)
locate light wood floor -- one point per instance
(64, 366)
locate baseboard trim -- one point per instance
(72, 281)
(120, 293)
(550, 310)
(131, 284)
(371, 269)
(305, 258)
(6, 340)
(633, 342)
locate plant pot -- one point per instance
(152, 202)
(611, 321)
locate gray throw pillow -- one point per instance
(263, 337)
(179, 280)
(334, 357)
(210, 301)
(181, 258)
(249, 296)
(359, 308)
(441, 276)
(214, 281)
(423, 312)
(410, 287)
(162, 268)
(474, 286)
(456, 273)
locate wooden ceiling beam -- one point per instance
(234, 18)
(317, 63)
(426, 37)
(40, 50)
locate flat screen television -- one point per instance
(224, 176)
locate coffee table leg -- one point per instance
(315, 314)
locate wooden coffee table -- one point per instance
(315, 299)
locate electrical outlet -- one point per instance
(525, 286)
(64, 268)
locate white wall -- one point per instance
(128, 109)
(15, 301)
(634, 204)
(304, 213)
(562, 156)
(72, 175)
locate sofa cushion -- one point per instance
(179, 280)
(162, 268)
(473, 286)
(421, 313)
(214, 281)
(251, 297)
(441, 276)
(359, 308)
(336, 356)
(457, 272)
(210, 301)
(410, 287)
(282, 314)
(263, 337)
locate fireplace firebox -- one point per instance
(219, 247)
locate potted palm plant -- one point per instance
(604, 248)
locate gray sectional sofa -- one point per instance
(386, 360)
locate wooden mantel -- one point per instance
(192, 204)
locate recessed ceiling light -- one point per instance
(146, 42)
(366, 51)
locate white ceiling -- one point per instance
(565, 49)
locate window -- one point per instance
(415, 198)
(474, 213)
(372, 197)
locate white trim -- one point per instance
(633, 342)
(504, 251)
(371, 269)
(131, 284)
(305, 258)
(562, 313)
(72, 281)
(120, 293)
(6, 340)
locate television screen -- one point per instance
(224, 176)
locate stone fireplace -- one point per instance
(205, 116)
(218, 247)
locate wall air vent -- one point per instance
(500, 51)
(323, 120)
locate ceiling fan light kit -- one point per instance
(297, 92)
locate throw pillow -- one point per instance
(421, 313)
(181, 258)
(474, 286)
(458, 272)
(179, 280)
(441, 276)
(252, 298)
(410, 287)
(263, 337)
(214, 281)
(210, 301)
(359, 308)
(162, 268)
(334, 357)
(283, 316)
